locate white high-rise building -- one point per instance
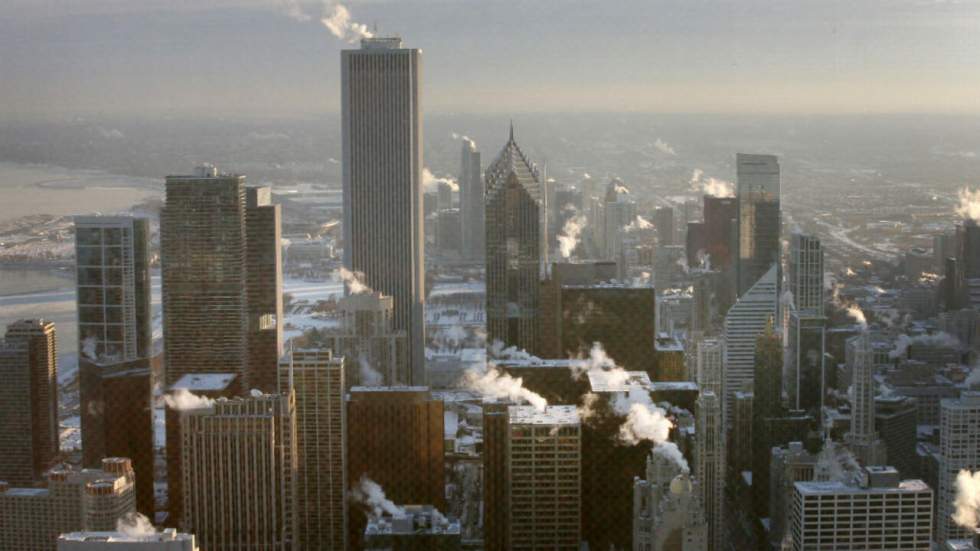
(710, 469)
(472, 210)
(876, 513)
(863, 438)
(745, 320)
(959, 447)
(806, 273)
(382, 174)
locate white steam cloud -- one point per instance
(334, 16)
(431, 182)
(370, 494)
(648, 421)
(135, 526)
(969, 207)
(713, 187)
(569, 238)
(464, 138)
(967, 501)
(639, 223)
(89, 347)
(664, 147)
(353, 280)
(496, 384)
(937, 339)
(854, 312)
(368, 374)
(183, 400)
(497, 350)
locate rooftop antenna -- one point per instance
(511, 129)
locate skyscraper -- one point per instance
(720, 224)
(709, 365)
(544, 502)
(395, 439)
(316, 379)
(767, 407)
(239, 470)
(959, 449)
(758, 217)
(668, 513)
(619, 212)
(710, 468)
(745, 320)
(806, 273)
(516, 248)
(663, 220)
(472, 211)
(263, 265)
(863, 439)
(382, 173)
(203, 260)
(115, 345)
(28, 401)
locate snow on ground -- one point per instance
(70, 433)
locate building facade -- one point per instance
(72, 500)
(382, 178)
(863, 438)
(710, 467)
(28, 401)
(667, 509)
(203, 260)
(472, 210)
(959, 448)
(516, 248)
(263, 265)
(239, 473)
(376, 353)
(745, 320)
(758, 198)
(316, 378)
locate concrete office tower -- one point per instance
(863, 439)
(203, 261)
(806, 372)
(472, 210)
(31, 519)
(667, 509)
(239, 468)
(395, 439)
(619, 211)
(115, 344)
(206, 385)
(496, 478)
(708, 372)
(745, 320)
(28, 401)
(167, 540)
(516, 248)
(663, 220)
(959, 449)
(720, 228)
(376, 353)
(789, 465)
(895, 421)
(416, 528)
(740, 436)
(316, 378)
(879, 512)
(263, 265)
(710, 466)
(758, 218)
(383, 224)
(544, 467)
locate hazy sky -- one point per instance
(249, 58)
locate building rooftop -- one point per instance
(169, 534)
(552, 415)
(836, 487)
(416, 520)
(395, 388)
(602, 382)
(204, 382)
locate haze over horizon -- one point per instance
(252, 58)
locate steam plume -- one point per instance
(369, 493)
(337, 19)
(938, 339)
(136, 526)
(969, 207)
(89, 347)
(431, 182)
(855, 312)
(496, 384)
(183, 400)
(353, 280)
(369, 375)
(497, 350)
(647, 421)
(639, 223)
(713, 187)
(464, 138)
(967, 501)
(568, 239)
(973, 378)
(664, 147)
